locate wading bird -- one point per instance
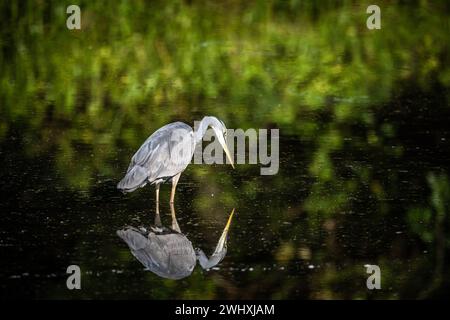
(166, 154)
(169, 253)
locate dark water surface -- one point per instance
(364, 148)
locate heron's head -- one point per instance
(221, 249)
(220, 131)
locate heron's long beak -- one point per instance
(223, 237)
(223, 143)
(227, 152)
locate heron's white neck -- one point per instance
(203, 126)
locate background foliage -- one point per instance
(363, 117)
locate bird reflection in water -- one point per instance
(167, 252)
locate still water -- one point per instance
(364, 149)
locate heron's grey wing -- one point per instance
(147, 252)
(167, 255)
(137, 174)
(136, 177)
(181, 257)
(134, 238)
(166, 152)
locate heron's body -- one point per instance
(169, 253)
(167, 153)
(163, 251)
(154, 162)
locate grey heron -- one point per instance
(167, 153)
(167, 252)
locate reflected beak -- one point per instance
(223, 237)
(229, 221)
(227, 152)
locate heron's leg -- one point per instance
(174, 186)
(175, 225)
(157, 216)
(157, 195)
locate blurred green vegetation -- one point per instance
(352, 105)
(432, 224)
(135, 66)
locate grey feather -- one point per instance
(164, 154)
(136, 177)
(168, 254)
